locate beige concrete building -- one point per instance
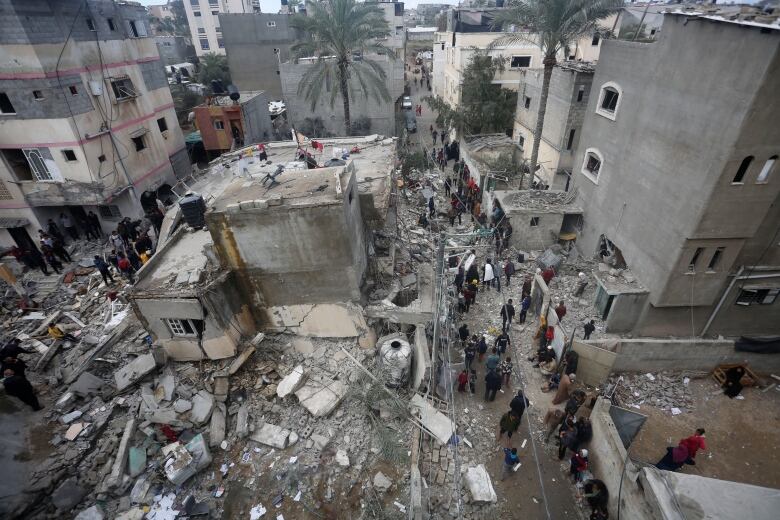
(87, 122)
(203, 19)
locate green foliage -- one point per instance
(184, 101)
(510, 165)
(180, 25)
(213, 66)
(485, 107)
(340, 33)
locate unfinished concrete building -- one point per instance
(87, 122)
(567, 104)
(684, 195)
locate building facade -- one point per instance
(87, 122)
(567, 102)
(224, 125)
(174, 49)
(203, 19)
(677, 170)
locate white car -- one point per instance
(406, 103)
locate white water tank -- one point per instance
(395, 358)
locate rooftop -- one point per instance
(579, 66)
(179, 264)
(560, 201)
(774, 25)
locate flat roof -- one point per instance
(180, 264)
(552, 201)
(721, 19)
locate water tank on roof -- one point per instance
(193, 210)
(395, 357)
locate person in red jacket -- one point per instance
(463, 380)
(695, 443)
(548, 274)
(125, 267)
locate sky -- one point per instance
(272, 6)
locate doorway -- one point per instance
(22, 238)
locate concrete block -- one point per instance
(120, 461)
(480, 485)
(179, 466)
(242, 420)
(136, 461)
(342, 459)
(134, 371)
(381, 482)
(319, 441)
(91, 513)
(74, 431)
(291, 382)
(168, 384)
(67, 400)
(199, 451)
(320, 399)
(133, 514)
(87, 384)
(259, 337)
(140, 490)
(271, 435)
(434, 421)
(70, 417)
(68, 495)
(221, 387)
(241, 359)
(202, 406)
(303, 346)
(182, 405)
(217, 426)
(162, 416)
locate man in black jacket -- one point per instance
(507, 314)
(18, 386)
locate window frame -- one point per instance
(115, 89)
(109, 211)
(204, 46)
(68, 153)
(516, 67)
(766, 170)
(164, 123)
(757, 298)
(91, 24)
(588, 173)
(10, 104)
(695, 259)
(611, 115)
(111, 25)
(216, 122)
(177, 329)
(139, 139)
(534, 222)
(742, 171)
(715, 259)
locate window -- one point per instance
(520, 141)
(26, 164)
(526, 102)
(110, 212)
(215, 13)
(715, 260)
(123, 89)
(768, 165)
(74, 91)
(591, 164)
(220, 43)
(139, 143)
(518, 62)
(214, 3)
(37, 94)
(743, 168)
(70, 155)
(195, 3)
(596, 39)
(570, 142)
(609, 100)
(201, 30)
(135, 28)
(204, 44)
(580, 93)
(757, 296)
(91, 24)
(694, 259)
(37, 164)
(5, 104)
(162, 124)
(534, 221)
(182, 327)
(102, 158)
(111, 26)
(5, 193)
(270, 24)
(219, 125)
(196, 13)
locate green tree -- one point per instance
(340, 33)
(213, 66)
(180, 25)
(485, 107)
(554, 25)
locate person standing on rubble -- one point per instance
(509, 270)
(102, 266)
(469, 353)
(507, 315)
(492, 385)
(493, 360)
(589, 328)
(94, 222)
(125, 267)
(12, 349)
(431, 207)
(560, 310)
(524, 306)
(581, 284)
(67, 223)
(508, 425)
(463, 333)
(18, 386)
(116, 241)
(502, 343)
(489, 275)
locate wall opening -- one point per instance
(742, 170)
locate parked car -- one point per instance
(411, 122)
(406, 103)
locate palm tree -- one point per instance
(554, 25)
(213, 66)
(339, 34)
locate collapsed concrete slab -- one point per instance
(239, 361)
(68, 495)
(87, 384)
(480, 485)
(321, 398)
(291, 382)
(135, 371)
(202, 406)
(217, 428)
(272, 435)
(435, 422)
(120, 462)
(221, 387)
(242, 420)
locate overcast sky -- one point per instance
(272, 6)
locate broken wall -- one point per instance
(534, 229)
(626, 310)
(323, 320)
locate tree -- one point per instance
(554, 25)
(213, 66)
(180, 25)
(485, 107)
(340, 33)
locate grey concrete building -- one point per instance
(567, 104)
(255, 45)
(174, 49)
(677, 172)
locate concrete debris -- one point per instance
(133, 514)
(68, 495)
(92, 513)
(182, 405)
(70, 417)
(480, 485)
(74, 431)
(202, 406)
(438, 424)
(221, 387)
(242, 421)
(342, 459)
(183, 462)
(87, 384)
(120, 462)
(381, 482)
(272, 435)
(65, 402)
(662, 390)
(217, 428)
(239, 361)
(321, 398)
(136, 461)
(167, 385)
(134, 371)
(291, 382)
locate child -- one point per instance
(579, 464)
(473, 381)
(506, 369)
(463, 379)
(510, 460)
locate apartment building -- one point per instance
(677, 171)
(87, 122)
(161, 11)
(394, 16)
(203, 19)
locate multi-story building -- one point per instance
(161, 11)
(426, 13)
(203, 19)
(567, 101)
(394, 16)
(256, 45)
(87, 121)
(677, 171)
(470, 29)
(225, 124)
(174, 49)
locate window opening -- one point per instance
(162, 124)
(609, 102)
(715, 260)
(768, 165)
(5, 104)
(534, 221)
(139, 143)
(743, 167)
(695, 258)
(570, 142)
(70, 155)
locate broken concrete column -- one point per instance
(291, 382)
(480, 485)
(321, 398)
(272, 435)
(118, 469)
(242, 420)
(217, 427)
(202, 406)
(221, 387)
(87, 384)
(241, 359)
(134, 371)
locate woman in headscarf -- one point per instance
(733, 385)
(674, 458)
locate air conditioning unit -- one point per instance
(96, 87)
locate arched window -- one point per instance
(592, 163)
(766, 170)
(743, 168)
(609, 100)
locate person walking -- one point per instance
(459, 279)
(463, 333)
(54, 230)
(492, 385)
(125, 267)
(102, 266)
(560, 310)
(510, 461)
(489, 276)
(431, 207)
(434, 134)
(94, 221)
(695, 443)
(447, 186)
(525, 304)
(469, 353)
(463, 380)
(493, 360)
(48, 254)
(507, 315)
(473, 381)
(589, 328)
(18, 386)
(518, 404)
(567, 436)
(509, 270)
(505, 368)
(581, 284)
(69, 226)
(508, 424)
(502, 343)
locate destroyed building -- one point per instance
(685, 196)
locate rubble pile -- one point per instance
(666, 390)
